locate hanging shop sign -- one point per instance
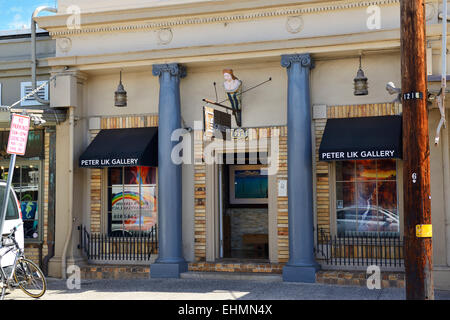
(233, 90)
(215, 120)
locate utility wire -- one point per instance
(270, 79)
(32, 94)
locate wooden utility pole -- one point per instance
(416, 153)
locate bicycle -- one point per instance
(24, 273)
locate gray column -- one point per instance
(170, 262)
(301, 266)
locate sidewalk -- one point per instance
(202, 289)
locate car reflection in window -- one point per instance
(372, 219)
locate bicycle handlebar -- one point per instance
(15, 228)
(10, 236)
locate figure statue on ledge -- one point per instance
(233, 88)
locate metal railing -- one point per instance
(359, 249)
(136, 247)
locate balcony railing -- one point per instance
(131, 248)
(359, 250)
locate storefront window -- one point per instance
(366, 198)
(26, 182)
(35, 145)
(132, 200)
(26, 179)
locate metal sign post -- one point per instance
(12, 164)
(17, 143)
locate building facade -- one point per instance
(223, 208)
(33, 179)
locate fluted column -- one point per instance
(170, 262)
(301, 266)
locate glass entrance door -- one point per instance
(26, 183)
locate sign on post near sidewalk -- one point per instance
(18, 134)
(17, 145)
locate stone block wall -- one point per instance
(247, 221)
(358, 278)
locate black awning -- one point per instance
(362, 138)
(122, 148)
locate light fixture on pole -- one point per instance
(120, 96)
(360, 82)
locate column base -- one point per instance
(54, 265)
(167, 270)
(306, 274)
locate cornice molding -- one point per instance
(375, 40)
(224, 17)
(80, 76)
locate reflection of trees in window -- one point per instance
(366, 194)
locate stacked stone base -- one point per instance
(359, 278)
(332, 277)
(236, 267)
(100, 272)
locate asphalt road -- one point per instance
(201, 289)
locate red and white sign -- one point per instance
(18, 134)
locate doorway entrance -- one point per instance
(244, 212)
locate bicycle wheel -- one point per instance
(30, 278)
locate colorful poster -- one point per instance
(133, 210)
(30, 215)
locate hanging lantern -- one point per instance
(120, 96)
(360, 82)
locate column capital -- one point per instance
(174, 69)
(79, 75)
(304, 59)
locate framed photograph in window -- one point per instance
(248, 184)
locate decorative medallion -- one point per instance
(165, 36)
(294, 24)
(430, 11)
(293, 13)
(64, 44)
